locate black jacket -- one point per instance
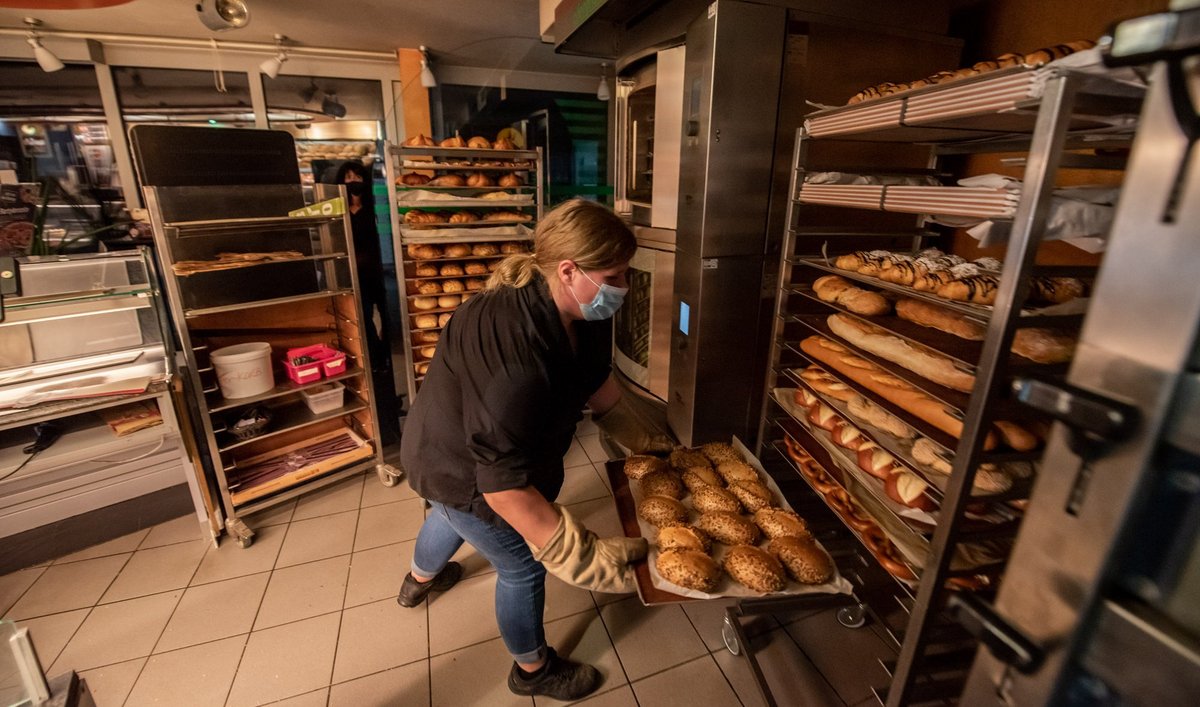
(498, 407)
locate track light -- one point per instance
(428, 80)
(602, 90)
(271, 66)
(331, 107)
(45, 57)
(221, 15)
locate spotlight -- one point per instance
(331, 107)
(427, 78)
(221, 15)
(602, 90)
(45, 57)
(271, 66)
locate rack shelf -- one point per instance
(286, 388)
(286, 419)
(324, 294)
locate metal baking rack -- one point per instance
(453, 160)
(1041, 111)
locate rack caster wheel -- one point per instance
(388, 475)
(729, 636)
(242, 534)
(852, 616)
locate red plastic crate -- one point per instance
(326, 361)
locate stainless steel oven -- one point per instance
(649, 125)
(642, 327)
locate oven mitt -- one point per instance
(637, 426)
(576, 556)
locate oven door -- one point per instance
(642, 326)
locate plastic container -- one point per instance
(324, 360)
(244, 370)
(324, 398)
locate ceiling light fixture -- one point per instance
(222, 15)
(428, 80)
(45, 58)
(602, 90)
(331, 107)
(271, 66)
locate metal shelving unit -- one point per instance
(1051, 112)
(302, 300)
(527, 199)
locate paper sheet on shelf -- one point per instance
(425, 195)
(726, 587)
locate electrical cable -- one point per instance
(22, 464)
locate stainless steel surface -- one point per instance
(1140, 662)
(1136, 345)
(731, 97)
(1183, 430)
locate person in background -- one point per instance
(368, 259)
(485, 439)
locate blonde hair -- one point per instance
(582, 231)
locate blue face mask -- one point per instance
(605, 304)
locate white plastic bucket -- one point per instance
(244, 370)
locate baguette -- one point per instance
(838, 290)
(890, 388)
(1038, 345)
(928, 364)
(822, 382)
(869, 413)
(1017, 436)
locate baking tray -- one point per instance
(626, 501)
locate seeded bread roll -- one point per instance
(698, 476)
(776, 522)
(803, 558)
(683, 537)
(662, 511)
(755, 569)
(684, 458)
(753, 495)
(728, 528)
(639, 465)
(707, 498)
(662, 483)
(689, 569)
(737, 471)
(719, 453)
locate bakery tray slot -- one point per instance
(290, 417)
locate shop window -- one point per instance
(184, 97)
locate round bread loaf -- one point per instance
(662, 511)
(427, 351)
(450, 270)
(425, 303)
(776, 522)
(684, 537)
(707, 498)
(484, 249)
(803, 558)
(511, 247)
(662, 483)
(429, 288)
(424, 252)
(426, 270)
(421, 368)
(468, 295)
(492, 265)
(475, 269)
(639, 465)
(425, 337)
(728, 528)
(453, 286)
(736, 471)
(754, 568)
(752, 494)
(718, 452)
(448, 301)
(457, 250)
(474, 284)
(698, 476)
(444, 319)
(689, 569)
(426, 321)
(683, 458)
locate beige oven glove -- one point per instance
(576, 556)
(637, 426)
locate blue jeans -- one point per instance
(521, 582)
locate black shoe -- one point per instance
(559, 678)
(413, 592)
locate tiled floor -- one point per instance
(307, 616)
